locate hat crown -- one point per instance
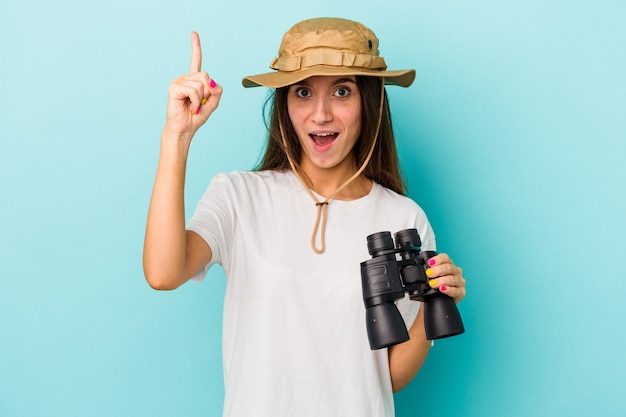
(332, 34)
(328, 41)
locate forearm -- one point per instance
(406, 359)
(165, 241)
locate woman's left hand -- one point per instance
(446, 277)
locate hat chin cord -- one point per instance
(322, 205)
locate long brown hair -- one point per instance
(383, 167)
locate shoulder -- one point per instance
(255, 181)
(393, 199)
(254, 176)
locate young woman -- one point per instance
(291, 234)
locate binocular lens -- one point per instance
(408, 236)
(385, 326)
(379, 242)
(442, 318)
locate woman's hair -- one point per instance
(383, 167)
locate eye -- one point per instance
(342, 92)
(302, 92)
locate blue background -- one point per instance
(512, 139)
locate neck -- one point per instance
(326, 181)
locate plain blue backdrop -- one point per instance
(512, 138)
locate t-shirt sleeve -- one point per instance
(213, 220)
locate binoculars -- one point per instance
(393, 271)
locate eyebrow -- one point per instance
(338, 81)
(346, 80)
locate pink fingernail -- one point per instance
(212, 83)
(443, 288)
(431, 262)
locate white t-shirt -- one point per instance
(294, 336)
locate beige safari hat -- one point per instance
(328, 46)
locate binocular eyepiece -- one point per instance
(393, 271)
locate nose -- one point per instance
(322, 112)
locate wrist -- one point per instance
(174, 147)
(172, 135)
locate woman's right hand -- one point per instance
(192, 97)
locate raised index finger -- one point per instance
(196, 53)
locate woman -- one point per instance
(294, 338)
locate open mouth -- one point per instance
(323, 140)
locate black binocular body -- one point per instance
(392, 272)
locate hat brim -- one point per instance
(277, 79)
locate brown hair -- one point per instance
(383, 167)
